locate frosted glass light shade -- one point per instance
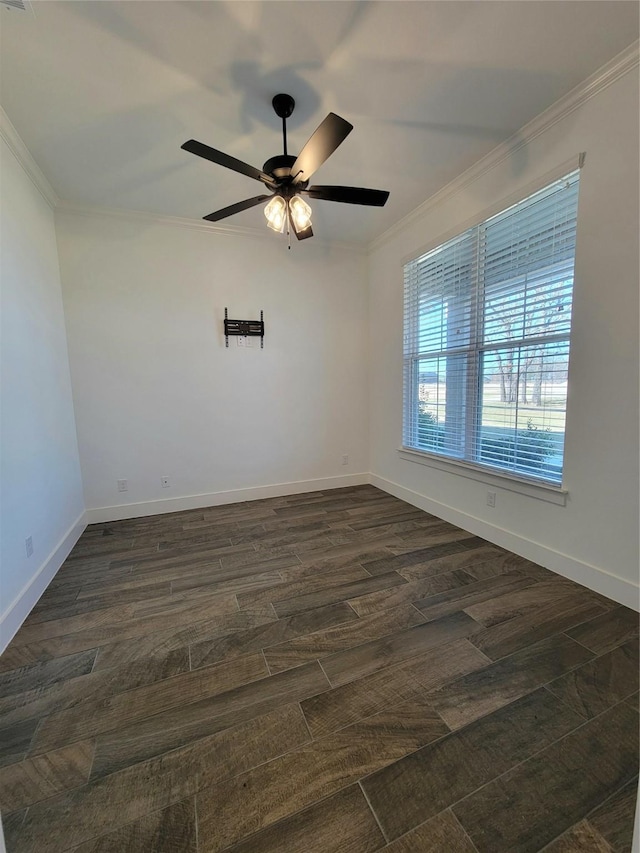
(276, 212)
(300, 213)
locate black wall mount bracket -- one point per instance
(250, 328)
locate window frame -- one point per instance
(523, 483)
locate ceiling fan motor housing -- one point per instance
(279, 166)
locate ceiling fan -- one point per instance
(288, 177)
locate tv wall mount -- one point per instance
(250, 328)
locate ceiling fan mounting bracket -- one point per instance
(283, 105)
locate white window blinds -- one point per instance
(487, 321)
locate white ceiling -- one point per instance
(104, 93)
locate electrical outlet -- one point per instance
(164, 482)
(345, 458)
(28, 545)
(491, 498)
(123, 485)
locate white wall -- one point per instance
(157, 393)
(594, 538)
(41, 485)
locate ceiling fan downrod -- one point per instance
(283, 106)
(280, 165)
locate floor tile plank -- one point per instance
(601, 682)
(441, 834)
(152, 736)
(12, 825)
(200, 611)
(435, 777)
(465, 559)
(580, 838)
(30, 633)
(439, 603)
(38, 778)
(322, 643)
(483, 691)
(532, 804)
(15, 740)
(503, 562)
(102, 684)
(551, 618)
(247, 804)
(330, 595)
(106, 598)
(116, 800)
(378, 654)
(49, 672)
(608, 630)
(416, 555)
(614, 818)
(341, 824)
(270, 634)
(171, 830)
(307, 579)
(358, 699)
(447, 583)
(174, 638)
(124, 708)
(505, 607)
(634, 701)
(348, 566)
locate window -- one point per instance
(487, 321)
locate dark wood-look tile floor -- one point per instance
(335, 671)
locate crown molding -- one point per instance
(23, 156)
(620, 65)
(157, 218)
(191, 224)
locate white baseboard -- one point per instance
(614, 587)
(25, 601)
(137, 510)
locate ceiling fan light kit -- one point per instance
(276, 213)
(300, 213)
(288, 176)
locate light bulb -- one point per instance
(300, 213)
(276, 212)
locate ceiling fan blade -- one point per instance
(349, 195)
(236, 208)
(324, 141)
(222, 159)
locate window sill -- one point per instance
(542, 492)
